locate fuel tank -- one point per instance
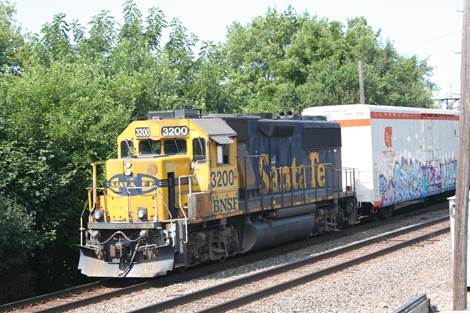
(259, 235)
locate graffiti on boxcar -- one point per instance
(410, 179)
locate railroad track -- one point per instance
(241, 291)
(96, 292)
(51, 295)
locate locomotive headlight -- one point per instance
(97, 214)
(128, 172)
(128, 164)
(142, 213)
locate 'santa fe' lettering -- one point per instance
(292, 177)
(132, 186)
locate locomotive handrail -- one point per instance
(97, 188)
(169, 215)
(94, 183)
(351, 172)
(82, 229)
(129, 202)
(94, 186)
(166, 206)
(179, 190)
(155, 215)
(92, 202)
(180, 202)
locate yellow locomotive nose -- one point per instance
(132, 185)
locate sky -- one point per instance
(430, 29)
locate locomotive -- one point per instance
(187, 189)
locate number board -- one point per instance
(175, 131)
(142, 132)
(224, 179)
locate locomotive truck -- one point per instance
(187, 189)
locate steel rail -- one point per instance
(191, 297)
(94, 299)
(52, 295)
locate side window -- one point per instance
(199, 149)
(127, 148)
(223, 154)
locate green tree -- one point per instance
(208, 90)
(285, 61)
(12, 43)
(61, 117)
(17, 236)
(260, 76)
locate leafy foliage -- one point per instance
(12, 44)
(66, 93)
(284, 61)
(17, 237)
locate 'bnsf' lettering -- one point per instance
(224, 205)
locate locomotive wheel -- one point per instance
(340, 220)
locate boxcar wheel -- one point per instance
(386, 212)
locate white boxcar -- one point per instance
(401, 154)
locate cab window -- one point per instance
(223, 154)
(199, 149)
(174, 146)
(127, 148)
(149, 146)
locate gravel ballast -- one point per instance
(379, 285)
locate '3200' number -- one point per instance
(222, 178)
(175, 131)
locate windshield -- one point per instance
(149, 146)
(174, 146)
(154, 147)
(127, 148)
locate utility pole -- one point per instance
(360, 69)
(463, 164)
